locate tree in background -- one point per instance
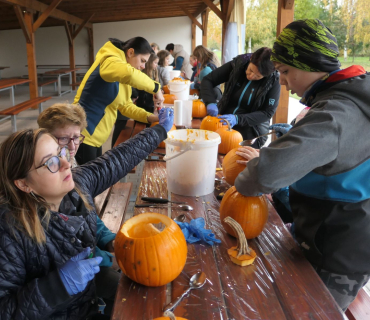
(349, 11)
(214, 31)
(362, 24)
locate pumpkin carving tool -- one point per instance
(159, 200)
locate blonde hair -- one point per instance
(153, 45)
(60, 115)
(162, 55)
(149, 71)
(28, 212)
(205, 56)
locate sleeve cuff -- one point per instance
(104, 240)
(162, 133)
(156, 87)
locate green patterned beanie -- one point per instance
(307, 45)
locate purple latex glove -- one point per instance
(195, 232)
(165, 117)
(212, 109)
(233, 120)
(280, 128)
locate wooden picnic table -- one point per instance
(60, 73)
(8, 84)
(2, 68)
(281, 284)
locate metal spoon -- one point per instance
(182, 207)
(180, 218)
(196, 281)
(251, 141)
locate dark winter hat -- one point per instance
(307, 45)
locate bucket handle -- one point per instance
(179, 154)
(176, 91)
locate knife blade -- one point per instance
(159, 200)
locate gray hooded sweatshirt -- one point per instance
(179, 51)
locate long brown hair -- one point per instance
(162, 55)
(148, 70)
(28, 212)
(205, 56)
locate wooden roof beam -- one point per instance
(195, 21)
(82, 25)
(39, 6)
(214, 8)
(22, 22)
(45, 14)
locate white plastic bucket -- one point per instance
(174, 74)
(180, 89)
(169, 68)
(191, 157)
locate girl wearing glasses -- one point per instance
(48, 221)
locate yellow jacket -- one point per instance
(106, 88)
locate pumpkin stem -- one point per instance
(242, 245)
(228, 124)
(169, 314)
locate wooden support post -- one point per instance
(214, 8)
(91, 46)
(193, 37)
(72, 64)
(285, 16)
(192, 18)
(31, 57)
(227, 7)
(205, 15)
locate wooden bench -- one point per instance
(45, 83)
(359, 309)
(15, 110)
(111, 205)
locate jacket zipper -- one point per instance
(241, 96)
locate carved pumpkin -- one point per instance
(199, 109)
(250, 212)
(194, 91)
(241, 255)
(163, 144)
(169, 98)
(166, 90)
(229, 138)
(211, 123)
(230, 167)
(147, 255)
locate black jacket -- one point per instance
(257, 105)
(30, 286)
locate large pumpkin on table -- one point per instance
(163, 144)
(169, 98)
(250, 212)
(229, 138)
(199, 109)
(230, 168)
(147, 255)
(211, 123)
(166, 89)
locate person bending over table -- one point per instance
(251, 95)
(324, 158)
(106, 88)
(48, 224)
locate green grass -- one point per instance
(362, 61)
(218, 54)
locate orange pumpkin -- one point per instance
(169, 315)
(166, 90)
(199, 109)
(230, 167)
(211, 123)
(194, 91)
(229, 138)
(163, 144)
(147, 255)
(250, 212)
(169, 98)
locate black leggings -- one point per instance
(87, 153)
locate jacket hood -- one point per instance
(177, 48)
(108, 50)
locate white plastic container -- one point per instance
(187, 112)
(174, 74)
(191, 157)
(169, 68)
(180, 89)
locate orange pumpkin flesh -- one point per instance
(147, 255)
(211, 123)
(230, 167)
(250, 212)
(169, 98)
(163, 144)
(199, 109)
(229, 139)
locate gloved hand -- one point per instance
(212, 110)
(165, 117)
(78, 271)
(192, 85)
(229, 117)
(280, 128)
(194, 232)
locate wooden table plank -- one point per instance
(61, 71)
(6, 83)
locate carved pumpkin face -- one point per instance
(211, 123)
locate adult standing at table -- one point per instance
(251, 95)
(106, 88)
(181, 59)
(324, 158)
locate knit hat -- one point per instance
(307, 45)
(204, 72)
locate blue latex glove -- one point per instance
(194, 232)
(229, 117)
(192, 86)
(283, 196)
(212, 110)
(280, 128)
(78, 271)
(165, 117)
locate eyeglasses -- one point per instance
(65, 140)
(53, 164)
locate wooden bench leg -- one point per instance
(40, 92)
(14, 123)
(40, 108)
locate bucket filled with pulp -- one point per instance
(191, 158)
